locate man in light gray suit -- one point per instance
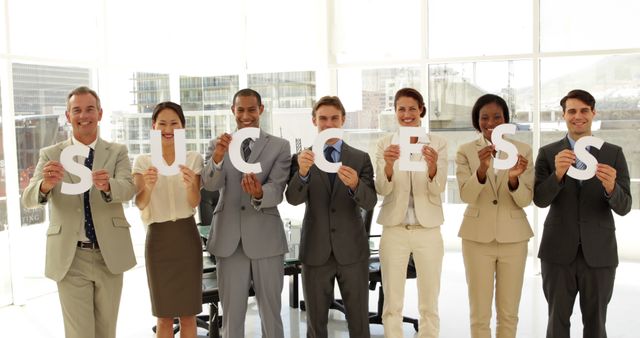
(88, 241)
(334, 241)
(248, 237)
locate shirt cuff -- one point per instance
(256, 203)
(304, 179)
(106, 196)
(42, 197)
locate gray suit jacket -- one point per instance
(580, 213)
(67, 218)
(235, 217)
(332, 220)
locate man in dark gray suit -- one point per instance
(247, 237)
(578, 250)
(334, 242)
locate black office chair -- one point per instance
(375, 276)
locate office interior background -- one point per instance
(198, 53)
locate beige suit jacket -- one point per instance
(67, 218)
(494, 212)
(426, 192)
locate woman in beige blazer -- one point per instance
(494, 230)
(411, 216)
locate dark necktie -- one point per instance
(246, 150)
(89, 229)
(328, 151)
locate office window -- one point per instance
(149, 89)
(366, 30)
(367, 96)
(478, 28)
(190, 128)
(54, 29)
(204, 36)
(613, 81)
(285, 34)
(284, 95)
(3, 179)
(3, 40)
(39, 97)
(588, 24)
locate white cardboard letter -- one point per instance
(583, 155)
(503, 145)
(318, 150)
(407, 148)
(73, 167)
(180, 146)
(235, 153)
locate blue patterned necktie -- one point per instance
(328, 151)
(246, 149)
(89, 229)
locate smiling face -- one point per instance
(84, 114)
(247, 111)
(408, 112)
(491, 115)
(167, 121)
(578, 116)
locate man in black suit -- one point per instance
(334, 243)
(578, 250)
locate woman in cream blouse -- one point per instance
(411, 216)
(494, 230)
(173, 251)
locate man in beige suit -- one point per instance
(88, 241)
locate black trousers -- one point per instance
(561, 283)
(318, 283)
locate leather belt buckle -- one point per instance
(88, 245)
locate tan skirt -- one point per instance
(173, 254)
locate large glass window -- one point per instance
(43, 28)
(39, 97)
(366, 30)
(478, 28)
(614, 81)
(277, 38)
(455, 87)
(204, 36)
(588, 24)
(284, 96)
(3, 178)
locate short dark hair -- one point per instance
(333, 101)
(168, 105)
(581, 95)
(83, 90)
(414, 94)
(247, 92)
(485, 100)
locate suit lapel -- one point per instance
(491, 176)
(258, 147)
(100, 154)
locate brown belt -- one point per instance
(88, 245)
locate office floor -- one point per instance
(41, 317)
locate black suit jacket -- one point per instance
(580, 213)
(332, 219)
